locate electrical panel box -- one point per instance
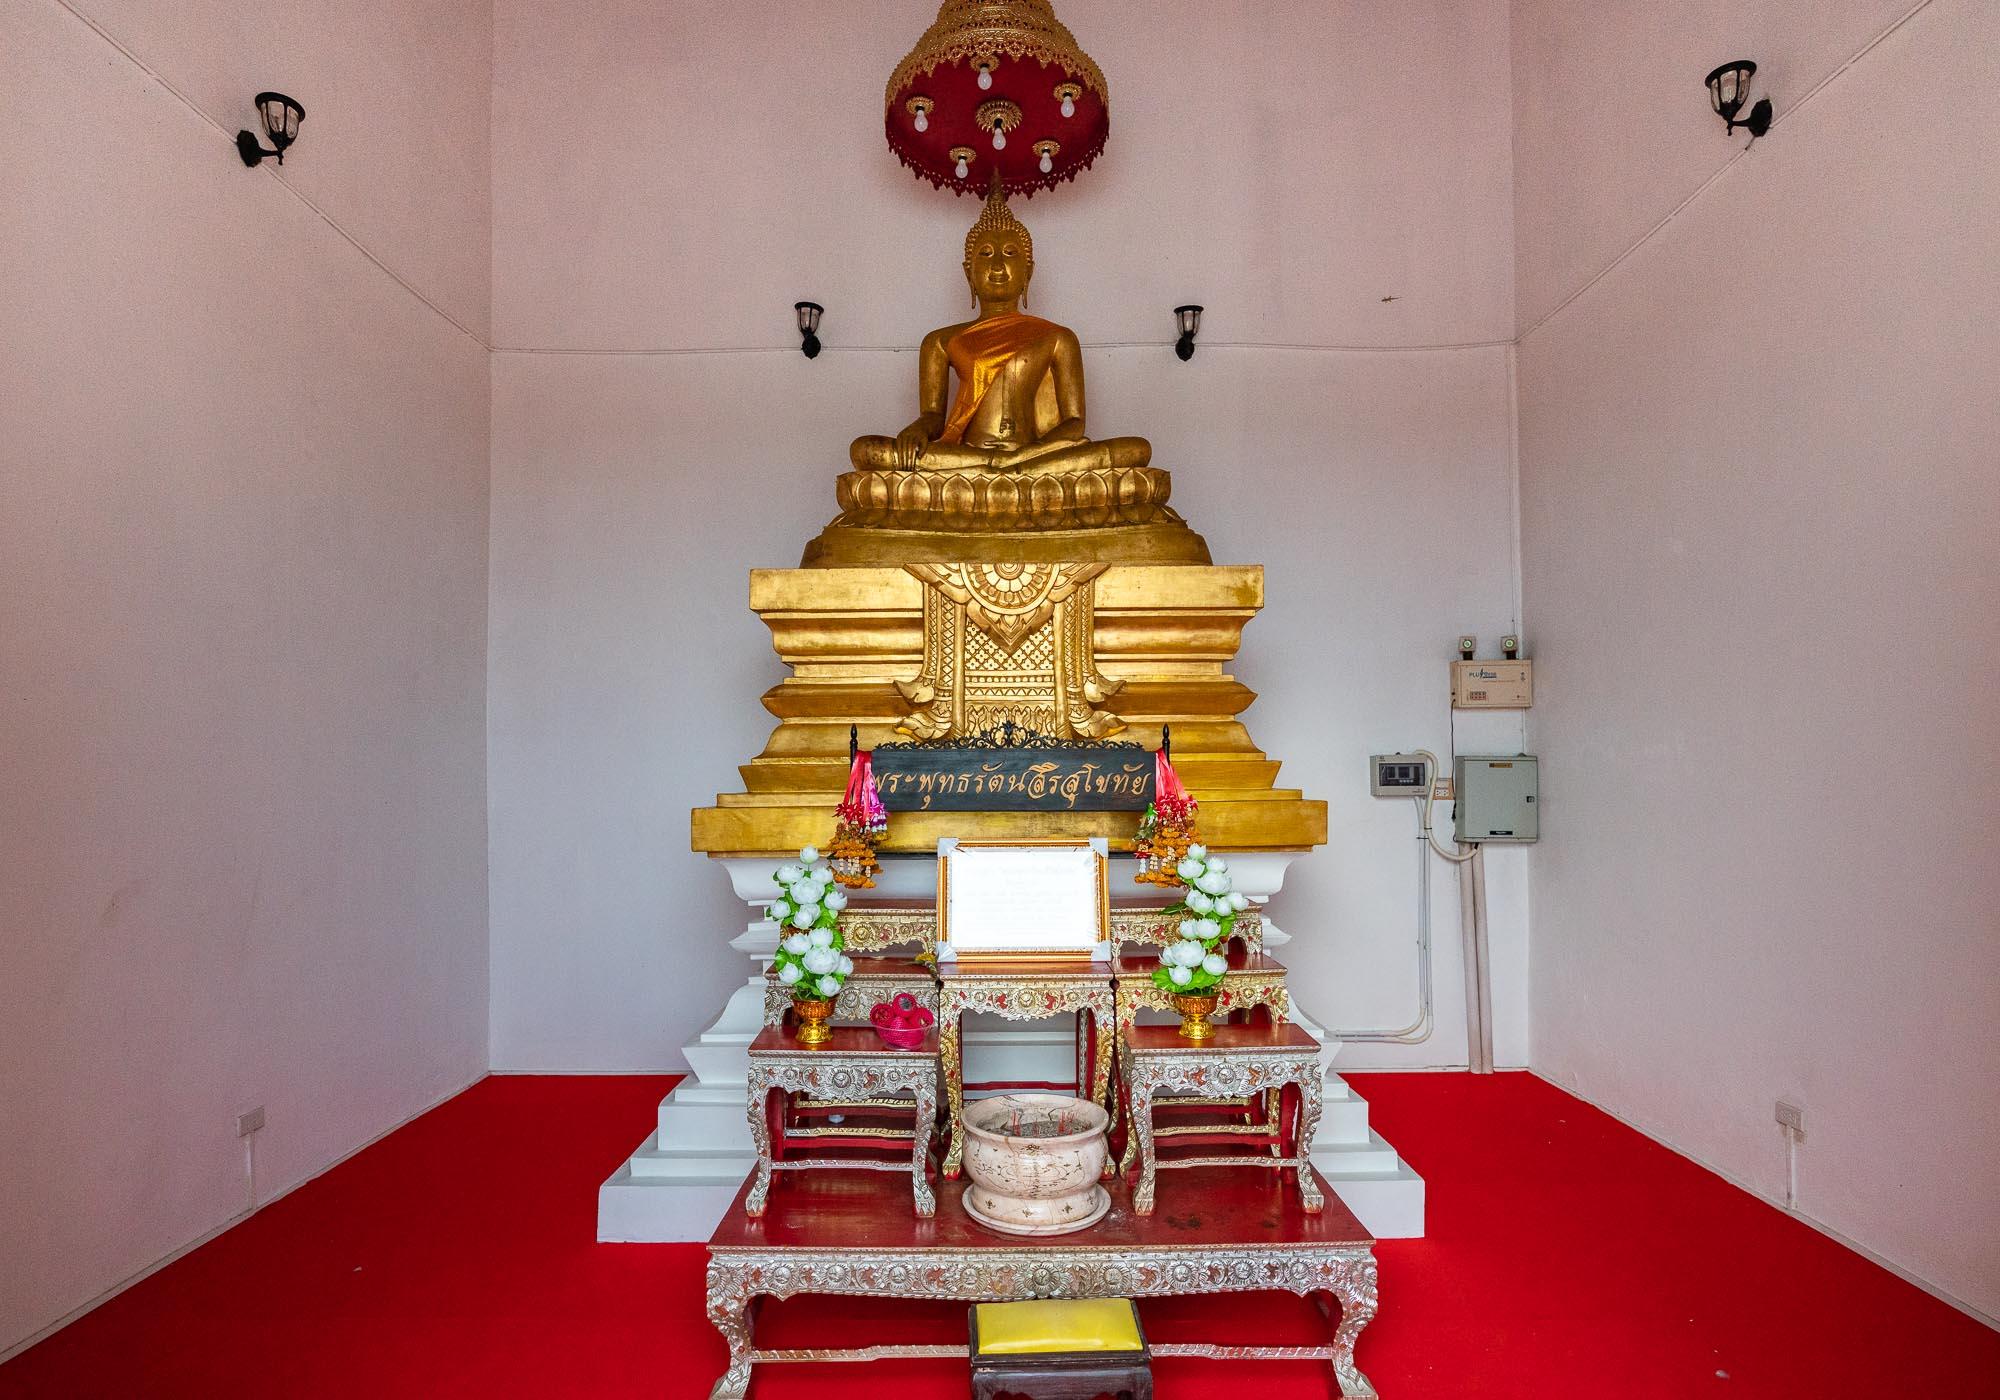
(1497, 798)
(1398, 774)
(1492, 685)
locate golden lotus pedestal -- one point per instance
(1086, 649)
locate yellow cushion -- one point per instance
(1084, 1324)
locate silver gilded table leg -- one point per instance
(729, 1310)
(1141, 1107)
(920, 1152)
(760, 1136)
(1308, 1128)
(1356, 1290)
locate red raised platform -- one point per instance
(1214, 1230)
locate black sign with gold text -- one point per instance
(1033, 777)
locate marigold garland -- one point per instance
(861, 823)
(1167, 829)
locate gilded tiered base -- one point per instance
(1159, 640)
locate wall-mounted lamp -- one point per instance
(1728, 87)
(1189, 319)
(281, 118)
(809, 312)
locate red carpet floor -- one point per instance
(1568, 1257)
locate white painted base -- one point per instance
(681, 1180)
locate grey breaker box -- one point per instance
(1496, 798)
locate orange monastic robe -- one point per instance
(978, 354)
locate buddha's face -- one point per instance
(1000, 267)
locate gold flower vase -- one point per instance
(813, 1014)
(1195, 1008)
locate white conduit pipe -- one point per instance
(1420, 1029)
(1472, 919)
(1480, 928)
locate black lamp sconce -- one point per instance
(281, 123)
(1728, 87)
(1189, 320)
(809, 314)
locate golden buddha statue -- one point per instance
(1019, 405)
(1007, 455)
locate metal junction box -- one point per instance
(1496, 798)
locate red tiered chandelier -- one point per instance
(997, 87)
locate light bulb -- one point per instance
(999, 139)
(960, 169)
(1048, 164)
(985, 77)
(1069, 107)
(923, 122)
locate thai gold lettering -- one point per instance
(1070, 786)
(967, 780)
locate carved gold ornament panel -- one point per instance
(1009, 643)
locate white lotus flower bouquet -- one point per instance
(1192, 962)
(810, 961)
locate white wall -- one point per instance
(656, 433)
(1761, 545)
(242, 612)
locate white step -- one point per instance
(708, 1113)
(1343, 1116)
(662, 1210)
(1389, 1204)
(1369, 1157)
(690, 1159)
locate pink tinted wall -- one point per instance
(1761, 552)
(1330, 180)
(242, 612)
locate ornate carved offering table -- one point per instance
(1238, 1232)
(1024, 991)
(1241, 1061)
(856, 1068)
(1254, 983)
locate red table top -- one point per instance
(1286, 1036)
(847, 1040)
(1196, 1208)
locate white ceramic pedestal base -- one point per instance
(1099, 1209)
(679, 1182)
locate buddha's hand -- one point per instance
(910, 445)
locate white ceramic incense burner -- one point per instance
(1034, 1161)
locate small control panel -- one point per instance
(1492, 685)
(1398, 774)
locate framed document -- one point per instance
(1023, 900)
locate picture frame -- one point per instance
(1025, 900)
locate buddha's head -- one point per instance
(999, 253)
